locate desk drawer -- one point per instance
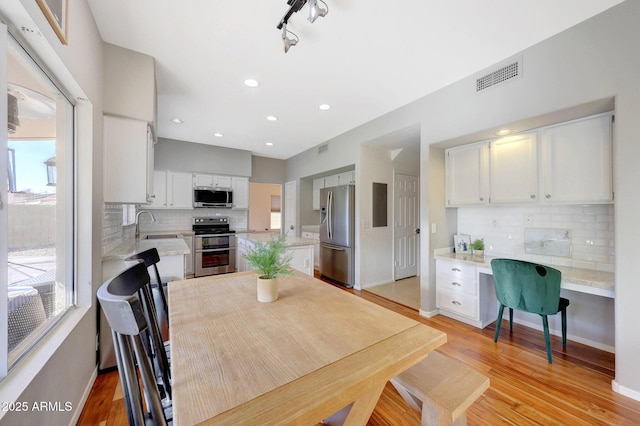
(457, 271)
(460, 303)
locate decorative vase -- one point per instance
(478, 253)
(267, 289)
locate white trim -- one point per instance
(633, 394)
(429, 314)
(21, 376)
(85, 397)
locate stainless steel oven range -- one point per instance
(214, 246)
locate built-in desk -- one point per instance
(465, 291)
(582, 280)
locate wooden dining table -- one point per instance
(297, 360)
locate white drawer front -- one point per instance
(456, 271)
(456, 284)
(460, 303)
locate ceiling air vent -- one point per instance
(499, 76)
(323, 148)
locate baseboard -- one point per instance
(85, 397)
(633, 394)
(376, 284)
(571, 337)
(429, 314)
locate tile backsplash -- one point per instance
(591, 229)
(115, 235)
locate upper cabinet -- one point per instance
(129, 84)
(215, 181)
(344, 178)
(576, 161)
(567, 163)
(128, 161)
(240, 186)
(173, 190)
(513, 169)
(467, 174)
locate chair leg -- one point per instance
(511, 320)
(564, 328)
(498, 322)
(547, 339)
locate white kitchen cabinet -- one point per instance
(302, 259)
(332, 180)
(316, 248)
(173, 190)
(318, 184)
(462, 295)
(220, 181)
(467, 174)
(188, 258)
(513, 169)
(240, 186)
(159, 190)
(576, 164)
(346, 178)
(128, 161)
(202, 180)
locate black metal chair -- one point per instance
(126, 316)
(135, 281)
(150, 258)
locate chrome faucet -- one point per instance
(153, 219)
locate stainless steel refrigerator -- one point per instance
(337, 234)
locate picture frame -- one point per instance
(56, 12)
(462, 243)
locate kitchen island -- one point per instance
(301, 248)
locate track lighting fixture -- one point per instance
(286, 41)
(295, 6)
(315, 10)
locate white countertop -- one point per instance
(165, 247)
(289, 242)
(576, 279)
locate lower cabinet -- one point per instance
(316, 247)
(302, 259)
(464, 294)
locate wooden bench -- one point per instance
(442, 388)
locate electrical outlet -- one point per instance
(528, 219)
(433, 228)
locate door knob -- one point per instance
(417, 230)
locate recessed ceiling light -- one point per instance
(272, 117)
(324, 107)
(218, 135)
(176, 121)
(251, 82)
(268, 143)
(504, 132)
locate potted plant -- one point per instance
(477, 247)
(270, 260)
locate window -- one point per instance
(37, 209)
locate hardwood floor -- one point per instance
(525, 389)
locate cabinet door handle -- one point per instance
(481, 199)
(533, 196)
(455, 269)
(548, 196)
(455, 302)
(456, 284)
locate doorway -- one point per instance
(265, 207)
(406, 226)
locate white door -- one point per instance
(4, 217)
(290, 201)
(406, 213)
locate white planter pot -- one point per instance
(267, 289)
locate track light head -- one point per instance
(286, 41)
(315, 10)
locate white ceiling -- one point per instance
(365, 58)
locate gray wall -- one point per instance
(268, 170)
(592, 61)
(176, 155)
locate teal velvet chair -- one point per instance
(529, 287)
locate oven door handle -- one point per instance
(214, 250)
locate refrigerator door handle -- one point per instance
(330, 218)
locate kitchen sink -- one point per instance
(161, 236)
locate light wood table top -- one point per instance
(299, 359)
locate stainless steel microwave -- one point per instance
(205, 196)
